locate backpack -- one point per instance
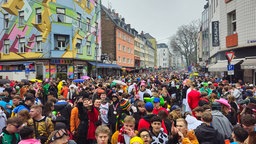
(63, 115)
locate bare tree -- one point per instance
(185, 41)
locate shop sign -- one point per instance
(215, 34)
(61, 61)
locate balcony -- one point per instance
(232, 40)
(13, 6)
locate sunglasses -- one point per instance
(59, 134)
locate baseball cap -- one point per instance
(156, 100)
(149, 106)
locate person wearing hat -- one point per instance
(144, 123)
(113, 109)
(143, 90)
(220, 122)
(157, 106)
(124, 110)
(228, 111)
(136, 140)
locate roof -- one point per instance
(119, 22)
(148, 36)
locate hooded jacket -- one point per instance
(7, 138)
(193, 123)
(208, 135)
(221, 124)
(64, 108)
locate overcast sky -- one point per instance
(160, 18)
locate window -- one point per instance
(21, 18)
(119, 58)
(22, 45)
(39, 43)
(123, 59)
(128, 50)
(119, 34)
(61, 42)
(88, 4)
(232, 22)
(89, 48)
(88, 21)
(6, 46)
(38, 15)
(6, 20)
(79, 17)
(119, 47)
(128, 60)
(60, 15)
(124, 48)
(79, 46)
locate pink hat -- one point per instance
(223, 102)
(142, 84)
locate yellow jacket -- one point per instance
(44, 126)
(114, 137)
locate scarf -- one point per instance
(120, 139)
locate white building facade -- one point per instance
(163, 56)
(232, 26)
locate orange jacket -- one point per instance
(74, 120)
(190, 139)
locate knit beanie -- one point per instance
(124, 104)
(137, 140)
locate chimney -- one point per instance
(142, 33)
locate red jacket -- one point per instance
(193, 99)
(93, 117)
(156, 111)
(145, 123)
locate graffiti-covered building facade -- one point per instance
(48, 38)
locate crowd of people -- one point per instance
(138, 108)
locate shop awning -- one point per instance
(221, 66)
(105, 65)
(249, 64)
(16, 63)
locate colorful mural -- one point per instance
(31, 29)
(70, 72)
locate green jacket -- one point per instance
(7, 138)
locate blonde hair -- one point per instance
(182, 120)
(129, 119)
(102, 129)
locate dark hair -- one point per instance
(142, 130)
(240, 133)
(248, 120)
(14, 120)
(47, 108)
(155, 119)
(26, 132)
